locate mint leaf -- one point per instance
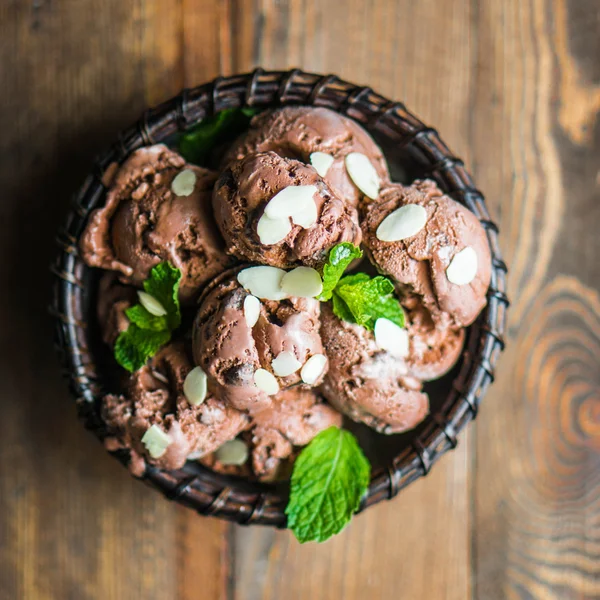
(361, 299)
(147, 332)
(163, 284)
(330, 477)
(340, 256)
(139, 316)
(341, 310)
(195, 145)
(135, 346)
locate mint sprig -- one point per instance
(330, 477)
(147, 333)
(362, 299)
(195, 145)
(340, 256)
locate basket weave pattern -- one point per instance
(210, 493)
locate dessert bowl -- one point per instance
(413, 151)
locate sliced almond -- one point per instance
(251, 310)
(151, 304)
(307, 216)
(363, 174)
(302, 282)
(156, 441)
(272, 231)
(321, 161)
(391, 338)
(266, 382)
(403, 223)
(234, 452)
(196, 455)
(285, 363)
(463, 267)
(313, 368)
(194, 386)
(184, 182)
(263, 282)
(290, 200)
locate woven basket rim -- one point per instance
(218, 495)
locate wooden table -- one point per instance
(514, 512)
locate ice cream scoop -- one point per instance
(316, 136)
(278, 211)
(432, 247)
(367, 383)
(114, 299)
(158, 208)
(434, 345)
(157, 423)
(251, 348)
(295, 417)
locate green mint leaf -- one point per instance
(330, 477)
(139, 316)
(340, 309)
(196, 145)
(147, 332)
(250, 111)
(135, 346)
(340, 256)
(163, 284)
(366, 300)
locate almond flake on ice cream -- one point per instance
(194, 386)
(156, 441)
(285, 363)
(463, 267)
(266, 382)
(263, 282)
(363, 174)
(402, 223)
(183, 183)
(302, 282)
(321, 161)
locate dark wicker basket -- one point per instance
(402, 135)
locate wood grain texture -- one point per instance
(514, 86)
(536, 498)
(73, 524)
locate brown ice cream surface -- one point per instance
(434, 346)
(154, 396)
(244, 189)
(114, 299)
(143, 223)
(296, 416)
(366, 383)
(230, 352)
(418, 264)
(298, 131)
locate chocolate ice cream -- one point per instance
(296, 416)
(158, 208)
(299, 131)
(367, 383)
(155, 398)
(434, 346)
(234, 352)
(247, 188)
(114, 299)
(436, 248)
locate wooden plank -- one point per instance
(73, 524)
(417, 546)
(537, 500)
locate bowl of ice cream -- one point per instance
(267, 265)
